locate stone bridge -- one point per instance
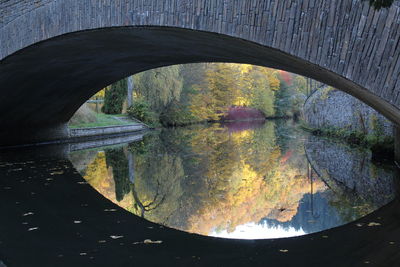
(55, 54)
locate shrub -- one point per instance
(141, 110)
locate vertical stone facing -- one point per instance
(345, 37)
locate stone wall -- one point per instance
(80, 133)
(331, 108)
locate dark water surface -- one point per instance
(247, 180)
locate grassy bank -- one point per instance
(382, 147)
(101, 120)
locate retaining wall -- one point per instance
(331, 108)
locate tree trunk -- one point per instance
(130, 90)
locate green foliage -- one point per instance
(227, 84)
(183, 94)
(290, 97)
(114, 97)
(261, 89)
(101, 120)
(282, 100)
(141, 110)
(177, 114)
(85, 117)
(159, 86)
(378, 4)
(380, 145)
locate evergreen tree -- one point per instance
(114, 97)
(116, 159)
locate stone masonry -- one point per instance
(331, 108)
(55, 54)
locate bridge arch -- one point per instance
(74, 48)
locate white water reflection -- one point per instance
(259, 231)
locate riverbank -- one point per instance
(382, 147)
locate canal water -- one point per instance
(246, 180)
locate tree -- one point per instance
(116, 159)
(114, 97)
(159, 86)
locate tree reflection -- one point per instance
(213, 178)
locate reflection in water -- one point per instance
(238, 180)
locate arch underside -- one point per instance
(44, 84)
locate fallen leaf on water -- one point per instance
(57, 173)
(33, 228)
(116, 236)
(359, 224)
(77, 221)
(374, 224)
(283, 250)
(149, 241)
(324, 236)
(391, 243)
(28, 213)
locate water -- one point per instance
(248, 180)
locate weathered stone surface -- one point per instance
(54, 47)
(331, 108)
(102, 131)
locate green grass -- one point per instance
(102, 120)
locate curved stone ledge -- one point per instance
(102, 131)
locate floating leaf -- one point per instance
(116, 236)
(149, 241)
